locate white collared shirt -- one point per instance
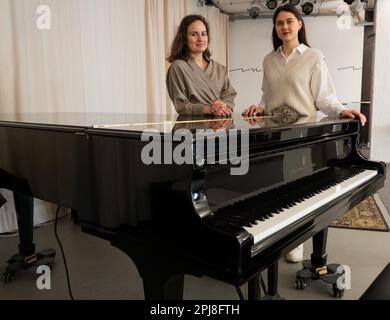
(321, 84)
(298, 50)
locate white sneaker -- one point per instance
(295, 255)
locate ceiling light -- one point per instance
(254, 12)
(272, 4)
(307, 8)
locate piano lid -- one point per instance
(137, 123)
(170, 124)
(81, 120)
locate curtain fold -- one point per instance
(155, 56)
(98, 56)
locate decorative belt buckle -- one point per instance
(285, 115)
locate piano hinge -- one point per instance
(82, 134)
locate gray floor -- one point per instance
(99, 271)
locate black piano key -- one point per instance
(235, 212)
(239, 211)
(235, 221)
(265, 205)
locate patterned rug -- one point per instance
(365, 216)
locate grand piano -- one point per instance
(174, 217)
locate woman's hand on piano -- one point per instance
(253, 111)
(350, 113)
(221, 109)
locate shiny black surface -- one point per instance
(92, 164)
(80, 120)
(137, 123)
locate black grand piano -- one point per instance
(192, 215)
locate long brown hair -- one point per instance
(179, 48)
(277, 42)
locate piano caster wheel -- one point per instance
(17, 258)
(300, 284)
(337, 293)
(47, 261)
(49, 253)
(8, 277)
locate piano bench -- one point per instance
(380, 288)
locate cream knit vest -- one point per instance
(289, 84)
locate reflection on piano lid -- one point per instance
(84, 120)
(160, 123)
(205, 123)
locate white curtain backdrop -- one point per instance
(105, 56)
(98, 56)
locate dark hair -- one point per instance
(277, 42)
(179, 48)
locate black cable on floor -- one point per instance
(62, 253)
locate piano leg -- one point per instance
(24, 206)
(319, 256)
(254, 292)
(273, 279)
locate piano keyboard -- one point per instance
(267, 213)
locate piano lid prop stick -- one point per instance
(178, 122)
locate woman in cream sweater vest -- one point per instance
(296, 75)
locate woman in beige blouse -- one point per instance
(197, 84)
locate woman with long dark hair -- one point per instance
(197, 84)
(296, 75)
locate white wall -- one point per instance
(250, 41)
(380, 129)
